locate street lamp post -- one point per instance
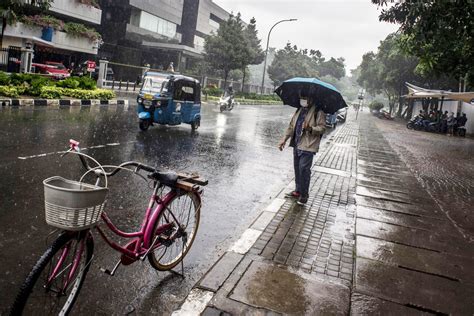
(266, 51)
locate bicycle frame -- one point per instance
(142, 244)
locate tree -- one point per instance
(291, 62)
(226, 49)
(10, 9)
(388, 70)
(253, 55)
(440, 33)
(333, 67)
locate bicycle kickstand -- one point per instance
(111, 273)
(182, 270)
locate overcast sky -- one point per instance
(347, 28)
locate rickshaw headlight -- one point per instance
(139, 100)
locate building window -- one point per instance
(199, 41)
(158, 25)
(213, 23)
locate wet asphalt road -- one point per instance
(235, 151)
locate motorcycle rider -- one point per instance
(229, 93)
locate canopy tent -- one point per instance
(415, 92)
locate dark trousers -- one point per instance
(302, 164)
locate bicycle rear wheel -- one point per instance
(55, 281)
(175, 230)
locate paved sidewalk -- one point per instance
(369, 241)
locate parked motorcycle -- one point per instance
(415, 123)
(226, 103)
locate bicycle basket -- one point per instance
(72, 205)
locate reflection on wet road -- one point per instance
(236, 151)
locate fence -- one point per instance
(123, 77)
(10, 59)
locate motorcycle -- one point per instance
(226, 103)
(415, 123)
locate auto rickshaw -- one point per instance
(169, 99)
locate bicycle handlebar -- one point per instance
(74, 146)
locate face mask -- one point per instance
(304, 103)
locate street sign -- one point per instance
(91, 66)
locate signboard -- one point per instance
(91, 66)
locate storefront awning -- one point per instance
(415, 92)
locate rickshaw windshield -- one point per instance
(153, 84)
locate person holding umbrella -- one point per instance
(305, 131)
(314, 99)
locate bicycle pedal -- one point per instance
(111, 273)
(106, 271)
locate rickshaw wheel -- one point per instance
(195, 124)
(144, 124)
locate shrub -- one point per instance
(49, 92)
(4, 79)
(77, 29)
(9, 91)
(42, 21)
(213, 91)
(37, 83)
(376, 105)
(86, 83)
(70, 82)
(17, 79)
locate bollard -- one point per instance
(126, 88)
(120, 84)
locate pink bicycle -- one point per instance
(166, 234)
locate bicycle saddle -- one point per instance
(168, 178)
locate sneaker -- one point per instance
(302, 200)
(293, 194)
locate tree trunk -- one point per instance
(226, 74)
(243, 80)
(409, 111)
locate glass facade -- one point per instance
(158, 25)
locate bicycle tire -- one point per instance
(196, 209)
(27, 288)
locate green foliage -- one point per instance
(439, 33)
(333, 67)
(212, 91)
(376, 105)
(86, 83)
(225, 50)
(19, 79)
(70, 82)
(42, 21)
(37, 83)
(258, 97)
(4, 79)
(9, 91)
(49, 92)
(292, 62)
(78, 29)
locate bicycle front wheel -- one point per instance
(53, 285)
(175, 230)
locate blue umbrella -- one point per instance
(325, 95)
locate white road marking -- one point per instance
(248, 238)
(195, 303)
(62, 152)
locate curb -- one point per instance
(60, 102)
